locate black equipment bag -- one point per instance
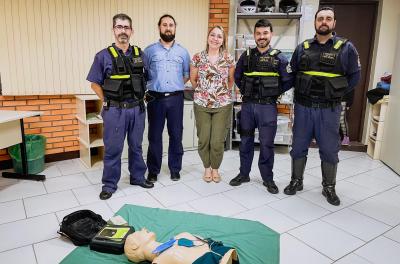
(81, 226)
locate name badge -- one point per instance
(328, 58)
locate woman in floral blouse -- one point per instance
(211, 75)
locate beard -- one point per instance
(262, 45)
(167, 37)
(324, 32)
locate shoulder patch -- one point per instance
(288, 68)
(274, 52)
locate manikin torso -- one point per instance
(184, 255)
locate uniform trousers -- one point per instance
(119, 123)
(263, 117)
(168, 108)
(321, 124)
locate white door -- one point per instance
(390, 153)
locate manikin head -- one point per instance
(137, 245)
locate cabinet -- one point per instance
(376, 127)
(91, 146)
(286, 27)
(189, 140)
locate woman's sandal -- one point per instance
(216, 177)
(207, 177)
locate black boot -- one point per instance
(328, 182)
(296, 182)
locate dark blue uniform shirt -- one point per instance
(286, 78)
(349, 58)
(103, 64)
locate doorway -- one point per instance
(356, 21)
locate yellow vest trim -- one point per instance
(136, 50)
(323, 74)
(338, 44)
(113, 52)
(261, 74)
(306, 44)
(120, 77)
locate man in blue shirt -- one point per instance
(168, 71)
(261, 74)
(326, 67)
(117, 77)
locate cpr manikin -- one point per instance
(184, 248)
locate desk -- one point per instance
(11, 133)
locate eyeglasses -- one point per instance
(120, 28)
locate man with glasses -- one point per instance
(117, 77)
(168, 71)
(326, 67)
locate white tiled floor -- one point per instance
(364, 229)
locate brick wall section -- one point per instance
(219, 14)
(58, 123)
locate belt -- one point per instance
(317, 104)
(159, 95)
(124, 105)
(267, 100)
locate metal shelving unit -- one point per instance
(269, 15)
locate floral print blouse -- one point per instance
(212, 89)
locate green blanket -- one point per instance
(255, 243)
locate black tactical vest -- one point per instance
(261, 82)
(126, 80)
(320, 76)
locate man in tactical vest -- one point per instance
(261, 73)
(117, 77)
(326, 68)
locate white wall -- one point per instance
(307, 30)
(47, 47)
(384, 47)
(391, 142)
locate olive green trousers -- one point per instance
(212, 128)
